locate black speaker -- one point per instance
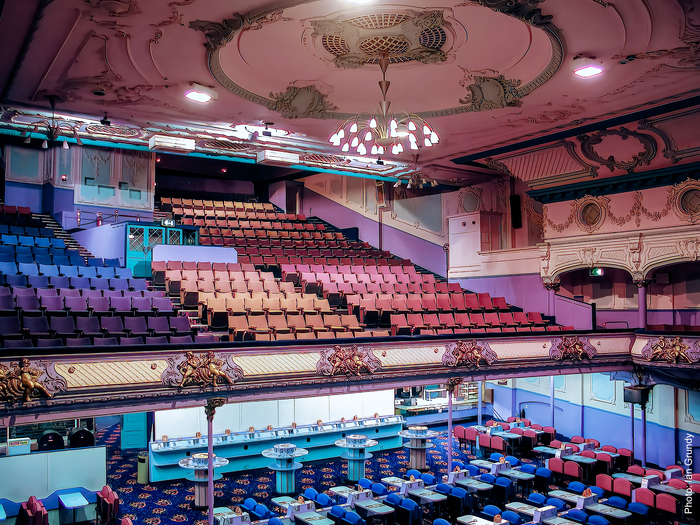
(636, 394)
(50, 440)
(516, 218)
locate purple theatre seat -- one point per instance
(64, 327)
(49, 342)
(136, 326)
(46, 292)
(89, 327)
(86, 292)
(111, 293)
(181, 326)
(158, 340)
(16, 280)
(99, 306)
(22, 291)
(112, 263)
(68, 292)
(78, 341)
(7, 306)
(132, 294)
(106, 341)
(130, 340)
(119, 284)
(10, 328)
(98, 283)
(53, 306)
(113, 326)
(37, 327)
(79, 283)
(164, 306)
(87, 271)
(159, 326)
(95, 262)
(29, 304)
(142, 306)
(77, 306)
(206, 338)
(60, 281)
(18, 343)
(105, 272)
(38, 281)
(123, 273)
(180, 339)
(120, 305)
(68, 270)
(138, 284)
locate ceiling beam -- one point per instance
(580, 130)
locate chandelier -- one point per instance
(384, 131)
(415, 180)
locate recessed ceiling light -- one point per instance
(586, 67)
(199, 93)
(198, 96)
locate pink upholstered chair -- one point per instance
(622, 487)
(654, 472)
(556, 465)
(490, 423)
(575, 448)
(578, 439)
(678, 483)
(605, 482)
(667, 503)
(458, 433)
(535, 426)
(573, 470)
(517, 430)
(588, 454)
(505, 426)
(526, 422)
(511, 419)
(485, 441)
(626, 455)
(645, 496)
(607, 459)
(555, 444)
(608, 448)
(636, 470)
(498, 444)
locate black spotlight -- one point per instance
(105, 121)
(50, 440)
(80, 437)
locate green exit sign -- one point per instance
(595, 272)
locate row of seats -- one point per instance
(25, 240)
(242, 327)
(31, 305)
(200, 215)
(110, 341)
(68, 270)
(211, 230)
(33, 231)
(36, 328)
(94, 283)
(351, 256)
(80, 292)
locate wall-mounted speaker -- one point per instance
(516, 217)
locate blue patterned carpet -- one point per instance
(166, 502)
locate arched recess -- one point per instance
(614, 290)
(673, 292)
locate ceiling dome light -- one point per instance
(586, 67)
(200, 94)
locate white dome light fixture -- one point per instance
(587, 67)
(200, 94)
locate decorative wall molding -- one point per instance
(648, 142)
(664, 128)
(638, 254)
(572, 349)
(351, 361)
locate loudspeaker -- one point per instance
(516, 219)
(636, 394)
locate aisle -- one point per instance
(165, 502)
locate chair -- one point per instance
(249, 504)
(537, 498)
(645, 496)
(336, 514)
(260, 512)
(414, 473)
(576, 486)
(573, 470)
(616, 501)
(639, 511)
(365, 483)
(605, 482)
(511, 517)
(597, 491)
(352, 518)
(458, 503)
(323, 500)
(636, 470)
(393, 500)
(428, 479)
(577, 515)
(310, 493)
(491, 511)
(378, 489)
(598, 520)
(543, 477)
(677, 483)
(623, 487)
(556, 502)
(502, 489)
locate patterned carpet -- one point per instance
(166, 502)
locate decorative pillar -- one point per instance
(478, 407)
(451, 385)
(632, 427)
(642, 302)
(552, 289)
(643, 406)
(210, 410)
(551, 399)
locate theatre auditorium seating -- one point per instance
(55, 295)
(298, 279)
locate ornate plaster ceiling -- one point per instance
(485, 72)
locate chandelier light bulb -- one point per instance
(336, 141)
(426, 130)
(393, 134)
(395, 149)
(341, 133)
(373, 123)
(28, 140)
(362, 150)
(427, 143)
(412, 138)
(345, 148)
(434, 138)
(368, 135)
(353, 128)
(411, 126)
(397, 183)
(44, 144)
(414, 145)
(393, 124)
(380, 150)
(374, 150)
(355, 142)
(65, 145)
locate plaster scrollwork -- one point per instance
(589, 256)
(264, 19)
(487, 93)
(689, 248)
(350, 361)
(469, 191)
(648, 142)
(572, 349)
(204, 370)
(218, 34)
(301, 102)
(469, 354)
(524, 10)
(672, 350)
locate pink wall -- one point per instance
(525, 291)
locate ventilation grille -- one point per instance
(325, 159)
(225, 144)
(378, 21)
(114, 131)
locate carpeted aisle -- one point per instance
(166, 502)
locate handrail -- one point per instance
(102, 218)
(609, 322)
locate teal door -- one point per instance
(134, 433)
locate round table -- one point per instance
(418, 444)
(356, 445)
(284, 466)
(200, 476)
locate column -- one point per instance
(642, 301)
(210, 410)
(478, 407)
(550, 301)
(551, 399)
(449, 428)
(643, 406)
(632, 427)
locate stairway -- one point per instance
(47, 221)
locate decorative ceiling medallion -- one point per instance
(218, 34)
(351, 361)
(301, 102)
(686, 199)
(642, 158)
(487, 93)
(671, 350)
(225, 145)
(358, 41)
(318, 158)
(571, 348)
(203, 370)
(468, 354)
(113, 131)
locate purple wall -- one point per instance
(214, 254)
(421, 252)
(278, 194)
(19, 194)
(108, 241)
(573, 313)
(525, 291)
(597, 424)
(686, 317)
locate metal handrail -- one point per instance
(606, 323)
